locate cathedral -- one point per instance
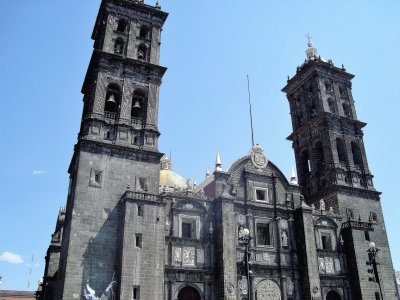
(134, 229)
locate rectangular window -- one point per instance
(136, 292)
(260, 195)
(141, 184)
(326, 242)
(187, 230)
(377, 297)
(96, 178)
(263, 235)
(373, 216)
(366, 234)
(140, 210)
(138, 240)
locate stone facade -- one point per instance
(247, 233)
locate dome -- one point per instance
(169, 178)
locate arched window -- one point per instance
(328, 87)
(142, 52)
(341, 150)
(113, 97)
(332, 105)
(119, 46)
(357, 157)
(313, 110)
(346, 110)
(144, 32)
(342, 92)
(300, 119)
(122, 25)
(305, 163)
(138, 103)
(319, 157)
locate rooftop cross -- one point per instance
(309, 37)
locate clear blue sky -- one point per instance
(208, 46)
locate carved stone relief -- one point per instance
(200, 256)
(337, 265)
(241, 219)
(289, 287)
(243, 285)
(284, 224)
(266, 257)
(188, 256)
(321, 264)
(329, 265)
(178, 255)
(268, 290)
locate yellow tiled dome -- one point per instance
(171, 179)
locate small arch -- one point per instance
(138, 103)
(188, 292)
(305, 162)
(328, 87)
(300, 119)
(119, 46)
(142, 52)
(332, 106)
(342, 92)
(346, 110)
(341, 150)
(122, 25)
(144, 32)
(313, 110)
(356, 152)
(113, 98)
(333, 295)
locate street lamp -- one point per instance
(374, 262)
(244, 239)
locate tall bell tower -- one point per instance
(332, 164)
(113, 215)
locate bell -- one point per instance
(111, 99)
(137, 104)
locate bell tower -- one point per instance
(121, 87)
(332, 165)
(113, 214)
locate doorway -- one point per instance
(188, 293)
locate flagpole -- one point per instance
(251, 114)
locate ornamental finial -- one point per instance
(311, 52)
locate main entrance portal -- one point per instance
(188, 293)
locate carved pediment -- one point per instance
(189, 205)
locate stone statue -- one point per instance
(285, 242)
(322, 204)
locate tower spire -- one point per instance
(207, 172)
(218, 163)
(293, 178)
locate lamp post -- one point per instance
(374, 262)
(244, 239)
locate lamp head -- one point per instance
(245, 232)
